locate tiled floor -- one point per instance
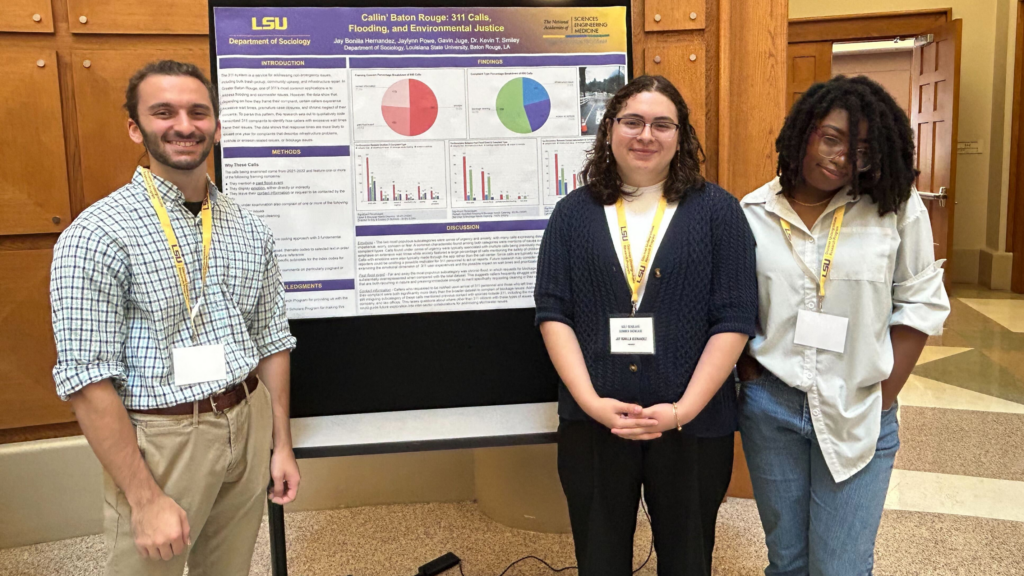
(962, 414)
(955, 504)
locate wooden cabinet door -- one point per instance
(664, 15)
(33, 177)
(28, 396)
(26, 16)
(109, 157)
(683, 64)
(138, 17)
(935, 82)
(807, 63)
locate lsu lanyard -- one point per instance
(172, 241)
(636, 278)
(830, 250)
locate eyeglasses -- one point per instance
(633, 127)
(831, 147)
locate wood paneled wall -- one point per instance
(752, 105)
(65, 67)
(726, 56)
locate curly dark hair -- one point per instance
(890, 138)
(600, 171)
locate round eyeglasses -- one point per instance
(831, 147)
(632, 127)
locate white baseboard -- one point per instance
(53, 489)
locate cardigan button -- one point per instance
(633, 368)
(657, 272)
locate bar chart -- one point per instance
(399, 175)
(563, 160)
(493, 172)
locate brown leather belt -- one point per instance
(748, 369)
(218, 402)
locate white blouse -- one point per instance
(884, 274)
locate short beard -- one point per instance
(154, 145)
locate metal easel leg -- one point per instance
(278, 553)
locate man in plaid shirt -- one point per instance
(173, 345)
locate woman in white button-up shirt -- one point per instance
(817, 406)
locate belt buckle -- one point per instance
(214, 404)
(220, 393)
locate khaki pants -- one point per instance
(216, 467)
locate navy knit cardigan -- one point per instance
(702, 282)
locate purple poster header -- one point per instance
(284, 151)
(499, 31)
(319, 285)
(450, 228)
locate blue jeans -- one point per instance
(813, 526)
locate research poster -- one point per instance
(407, 159)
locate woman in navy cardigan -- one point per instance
(646, 295)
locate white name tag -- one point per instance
(632, 335)
(199, 364)
(821, 331)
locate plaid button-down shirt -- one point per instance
(118, 308)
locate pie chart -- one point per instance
(409, 107)
(523, 105)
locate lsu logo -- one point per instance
(271, 23)
(176, 253)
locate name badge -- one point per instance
(632, 335)
(199, 364)
(821, 331)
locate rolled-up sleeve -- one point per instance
(268, 323)
(88, 288)
(919, 299)
(552, 293)
(734, 276)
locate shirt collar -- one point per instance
(169, 192)
(771, 196)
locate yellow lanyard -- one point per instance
(636, 278)
(830, 249)
(172, 241)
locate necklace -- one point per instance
(825, 201)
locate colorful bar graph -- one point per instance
(561, 182)
(558, 182)
(375, 193)
(476, 188)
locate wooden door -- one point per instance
(26, 16)
(662, 15)
(33, 169)
(683, 64)
(807, 63)
(28, 396)
(137, 17)
(935, 85)
(1015, 198)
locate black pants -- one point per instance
(684, 480)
